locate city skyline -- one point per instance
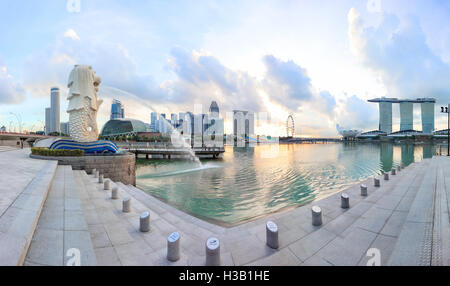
(324, 68)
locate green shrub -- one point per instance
(50, 152)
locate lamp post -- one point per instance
(19, 121)
(446, 109)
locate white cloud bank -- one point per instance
(11, 92)
(397, 50)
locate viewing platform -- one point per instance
(211, 152)
(47, 210)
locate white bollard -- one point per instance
(100, 179)
(96, 174)
(144, 222)
(386, 176)
(115, 193)
(212, 252)
(393, 172)
(376, 182)
(107, 185)
(363, 190)
(173, 247)
(316, 215)
(272, 235)
(126, 205)
(93, 172)
(345, 201)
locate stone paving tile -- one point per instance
(74, 220)
(385, 244)
(248, 250)
(107, 256)
(374, 219)
(316, 261)
(341, 223)
(394, 224)
(100, 239)
(51, 219)
(39, 252)
(348, 251)
(80, 240)
(284, 257)
(14, 245)
(309, 245)
(132, 254)
(388, 202)
(117, 234)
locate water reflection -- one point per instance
(250, 182)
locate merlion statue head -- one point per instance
(83, 103)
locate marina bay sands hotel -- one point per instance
(406, 113)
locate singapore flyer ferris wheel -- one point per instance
(290, 126)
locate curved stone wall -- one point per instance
(119, 168)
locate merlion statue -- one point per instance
(83, 106)
(83, 103)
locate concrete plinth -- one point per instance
(107, 185)
(363, 190)
(173, 247)
(386, 176)
(316, 215)
(272, 235)
(212, 252)
(144, 222)
(126, 205)
(345, 201)
(115, 193)
(376, 182)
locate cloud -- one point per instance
(10, 91)
(201, 78)
(398, 51)
(286, 82)
(70, 33)
(289, 85)
(357, 113)
(110, 60)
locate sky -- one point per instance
(317, 60)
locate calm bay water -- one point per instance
(254, 181)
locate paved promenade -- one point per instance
(406, 219)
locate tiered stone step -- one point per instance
(7, 148)
(424, 237)
(21, 202)
(115, 235)
(370, 223)
(62, 232)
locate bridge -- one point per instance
(204, 152)
(14, 138)
(308, 140)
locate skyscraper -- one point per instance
(64, 126)
(48, 115)
(52, 114)
(243, 124)
(154, 122)
(174, 119)
(117, 110)
(427, 117)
